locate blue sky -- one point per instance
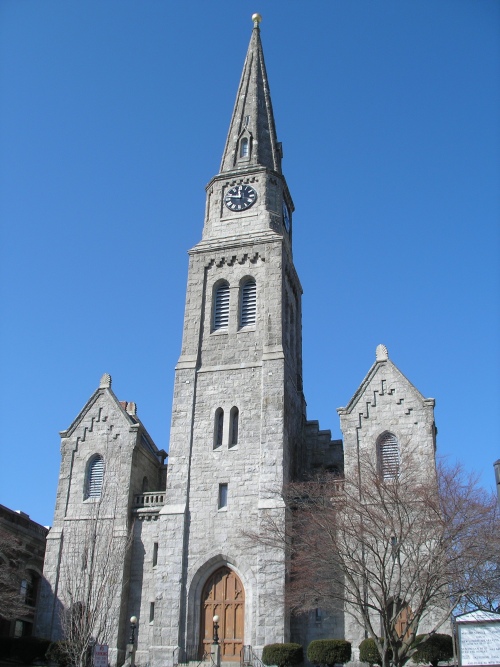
(113, 118)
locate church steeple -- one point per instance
(251, 140)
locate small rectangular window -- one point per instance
(155, 553)
(151, 612)
(222, 496)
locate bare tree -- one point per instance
(12, 561)
(394, 553)
(91, 579)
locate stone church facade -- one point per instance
(239, 429)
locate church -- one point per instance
(239, 431)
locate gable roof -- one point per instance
(382, 363)
(127, 410)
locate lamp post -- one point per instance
(216, 629)
(215, 649)
(133, 625)
(130, 657)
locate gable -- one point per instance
(384, 379)
(103, 411)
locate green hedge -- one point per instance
(434, 649)
(368, 652)
(329, 651)
(283, 655)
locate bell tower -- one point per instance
(238, 407)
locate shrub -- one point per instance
(368, 652)
(329, 651)
(434, 649)
(57, 652)
(282, 655)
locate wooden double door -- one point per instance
(223, 596)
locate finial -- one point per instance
(131, 408)
(381, 353)
(256, 18)
(105, 382)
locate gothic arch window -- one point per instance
(248, 300)
(244, 147)
(218, 427)
(221, 307)
(94, 477)
(388, 456)
(234, 426)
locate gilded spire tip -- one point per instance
(256, 18)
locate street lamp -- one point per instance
(133, 625)
(216, 629)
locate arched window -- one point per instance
(95, 476)
(233, 426)
(218, 427)
(221, 307)
(248, 303)
(388, 456)
(244, 147)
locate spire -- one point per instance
(252, 134)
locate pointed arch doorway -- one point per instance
(223, 595)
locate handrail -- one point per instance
(248, 657)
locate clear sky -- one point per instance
(113, 118)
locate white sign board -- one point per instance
(101, 655)
(479, 644)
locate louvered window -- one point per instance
(95, 475)
(248, 303)
(221, 309)
(388, 456)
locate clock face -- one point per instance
(286, 216)
(240, 197)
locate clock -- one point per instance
(286, 216)
(240, 197)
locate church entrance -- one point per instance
(223, 596)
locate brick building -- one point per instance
(22, 550)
